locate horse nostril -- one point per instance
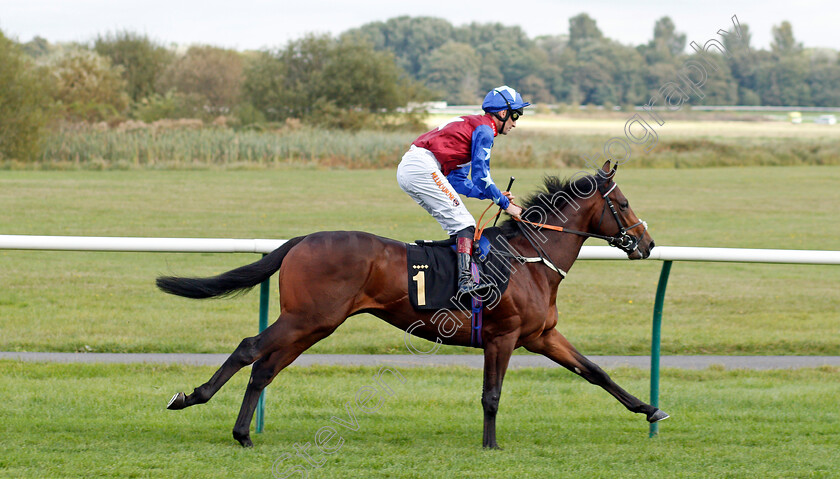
(652, 244)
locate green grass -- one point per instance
(106, 302)
(81, 420)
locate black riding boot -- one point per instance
(466, 284)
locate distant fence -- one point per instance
(666, 254)
(443, 108)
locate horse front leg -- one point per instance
(556, 347)
(496, 358)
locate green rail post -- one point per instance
(656, 338)
(264, 289)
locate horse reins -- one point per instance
(622, 240)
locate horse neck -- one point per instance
(562, 248)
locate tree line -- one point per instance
(349, 80)
(584, 66)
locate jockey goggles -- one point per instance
(512, 114)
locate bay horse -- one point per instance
(326, 277)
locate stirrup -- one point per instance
(472, 288)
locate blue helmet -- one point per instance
(503, 98)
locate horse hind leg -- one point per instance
(249, 350)
(554, 346)
(246, 353)
(263, 373)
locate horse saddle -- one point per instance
(433, 272)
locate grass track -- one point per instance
(74, 420)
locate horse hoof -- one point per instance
(244, 439)
(657, 416)
(178, 401)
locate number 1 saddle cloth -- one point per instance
(433, 271)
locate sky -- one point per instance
(256, 24)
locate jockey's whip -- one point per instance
(510, 185)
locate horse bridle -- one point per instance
(622, 240)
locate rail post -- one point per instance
(264, 289)
(656, 339)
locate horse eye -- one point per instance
(624, 205)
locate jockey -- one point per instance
(453, 159)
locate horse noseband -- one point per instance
(621, 240)
(627, 242)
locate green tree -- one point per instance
(507, 55)
(552, 68)
(355, 77)
(598, 70)
(214, 74)
(824, 79)
(453, 69)
(297, 80)
(37, 47)
(666, 38)
(603, 73)
(783, 41)
(410, 39)
(583, 30)
(172, 105)
(87, 86)
(784, 81)
(263, 87)
(782, 78)
(666, 45)
(720, 87)
(318, 78)
(658, 74)
(535, 88)
(142, 60)
(739, 44)
(24, 103)
(743, 63)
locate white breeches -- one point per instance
(419, 175)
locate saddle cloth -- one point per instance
(433, 272)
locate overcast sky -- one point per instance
(254, 24)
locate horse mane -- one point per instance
(544, 197)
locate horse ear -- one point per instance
(606, 173)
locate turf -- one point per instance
(106, 302)
(79, 420)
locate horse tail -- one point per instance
(236, 281)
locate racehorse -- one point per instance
(326, 277)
